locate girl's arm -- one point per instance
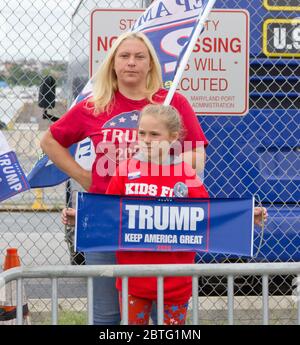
(260, 215)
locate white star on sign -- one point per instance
(112, 124)
(122, 119)
(134, 117)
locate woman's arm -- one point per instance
(68, 216)
(62, 158)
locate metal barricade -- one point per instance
(229, 270)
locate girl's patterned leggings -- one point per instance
(139, 311)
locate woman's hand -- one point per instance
(68, 216)
(259, 213)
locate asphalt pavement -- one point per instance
(40, 239)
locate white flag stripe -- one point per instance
(159, 12)
(202, 18)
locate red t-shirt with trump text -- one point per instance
(114, 134)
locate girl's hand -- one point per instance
(259, 213)
(68, 216)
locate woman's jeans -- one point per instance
(106, 300)
(106, 297)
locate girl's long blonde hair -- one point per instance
(105, 80)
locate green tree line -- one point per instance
(19, 75)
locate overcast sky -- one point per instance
(35, 28)
(40, 29)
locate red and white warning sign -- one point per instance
(216, 78)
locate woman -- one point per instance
(128, 80)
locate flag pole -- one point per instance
(202, 18)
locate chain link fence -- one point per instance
(253, 154)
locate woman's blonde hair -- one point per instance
(166, 114)
(105, 80)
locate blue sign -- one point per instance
(109, 223)
(46, 174)
(12, 177)
(160, 226)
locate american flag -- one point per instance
(124, 120)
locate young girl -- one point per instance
(154, 172)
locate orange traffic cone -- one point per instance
(8, 309)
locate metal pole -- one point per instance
(298, 298)
(90, 301)
(77, 8)
(54, 301)
(160, 300)
(265, 295)
(146, 3)
(195, 299)
(125, 301)
(19, 301)
(230, 293)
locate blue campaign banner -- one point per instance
(46, 174)
(12, 177)
(109, 223)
